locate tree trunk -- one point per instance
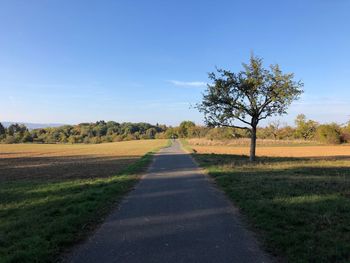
(252, 144)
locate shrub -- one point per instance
(161, 135)
(10, 139)
(95, 140)
(27, 137)
(221, 133)
(329, 133)
(306, 129)
(117, 138)
(345, 136)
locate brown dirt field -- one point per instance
(277, 151)
(60, 161)
(246, 142)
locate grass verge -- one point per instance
(301, 206)
(40, 218)
(186, 146)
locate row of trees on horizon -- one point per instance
(101, 131)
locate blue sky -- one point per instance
(74, 61)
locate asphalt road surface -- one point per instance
(175, 214)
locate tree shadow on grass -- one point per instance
(302, 205)
(290, 175)
(226, 159)
(62, 167)
(42, 215)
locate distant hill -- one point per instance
(32, 126)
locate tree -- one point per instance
(329, 133)
(221, 133)
(2, 131)
(185, 127)
(273, 128)
(286, 132)
(27, 137)
(171, 133)
(345, 132)
(12, 129)
(249, 96)
(151, 133)
(306, 129)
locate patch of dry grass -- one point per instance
(246, 142)
(217, 147)
(59, 161)
(126, 148)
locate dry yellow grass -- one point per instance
(127, 148)
(273, 151)
(246, 142)
(19, 161)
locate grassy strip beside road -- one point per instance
(39, 218)
(301, 206)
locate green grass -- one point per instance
(300, 206)
(186, 146)
(40, 218)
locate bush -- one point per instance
(329, 133)
(117, 138)
(10, 139)
(345, 137)
(95, 140)
(129, 137)
(161, 136)
(221, 133)
(306, 129)
(27, 137)
(345, 134)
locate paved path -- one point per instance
(174, 215)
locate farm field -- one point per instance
(297, 198)
(60, 161)
(270, 148)
(52, 195)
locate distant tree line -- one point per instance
(97, 132)
(111, 131)
(304, 129)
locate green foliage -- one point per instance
(27, 137)
(329, 133)
(185, 129)
(171, 133)
(10, 139)
(255, 93)
(286, 132)
(111, 131)
(305, 129)
(2, 131)
(273, 129)
(150, 133)
(221, 133)
(98, 132)
(249, 96)
(198, 131)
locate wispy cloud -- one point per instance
(188, 83)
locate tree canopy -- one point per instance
(249, 96)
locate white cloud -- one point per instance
(188, 83)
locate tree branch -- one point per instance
(234, 126)
(264, 117)
(267, 101)
(242, 120)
